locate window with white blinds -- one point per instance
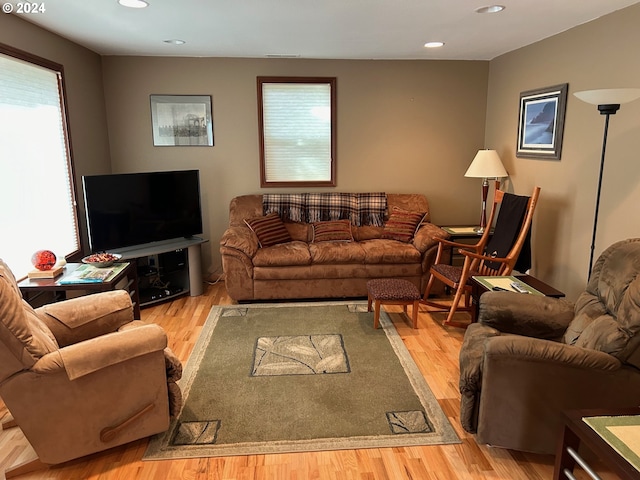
(37, 198)
(297, 131)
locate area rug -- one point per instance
(275, 378)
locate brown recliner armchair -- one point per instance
(80, 376)
(531, 357)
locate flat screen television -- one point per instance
(130, 209)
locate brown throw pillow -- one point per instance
(332, 231)
(269, 229)
(402, 224)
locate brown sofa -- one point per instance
(529, 358)
(303, 268)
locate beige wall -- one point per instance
(85, 96)
(403, 126)
(600, 54)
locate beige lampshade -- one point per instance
(486, 164)
(609, 96)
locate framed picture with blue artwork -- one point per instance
(541, 122)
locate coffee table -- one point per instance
(31, 286)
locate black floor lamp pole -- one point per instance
(606, 110)
(608, 101)
(595, 218)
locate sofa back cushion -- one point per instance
(607, 314)
(24, 338)
(413, 202)
(249, 206)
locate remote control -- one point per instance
(518, 287)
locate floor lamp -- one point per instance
(486, 164)
(608, 101)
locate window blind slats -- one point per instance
(297, 132)
(37, 191)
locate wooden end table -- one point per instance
(478, 289)
(576, 431)
(467, 234)
(32, 286)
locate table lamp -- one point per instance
(608, 101)
(486, 164)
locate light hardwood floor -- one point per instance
(435, 350)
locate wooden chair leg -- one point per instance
(376, 314)
(428, 289)
(454, 305)
(414, 313)
(369, 300)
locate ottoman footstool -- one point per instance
(392, 291)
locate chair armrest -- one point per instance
(546, 351)
(428, 236)
(98, 353)
(464, 246)
(241, 239)
(528, 315)
(78, 319)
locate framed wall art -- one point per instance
(541, 122)
(181, 120)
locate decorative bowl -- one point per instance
(102, 260)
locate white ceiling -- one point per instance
(335, 29)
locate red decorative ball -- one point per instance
(44, 259)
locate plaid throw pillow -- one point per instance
(269, 229)
(332, 231)
(402, 225)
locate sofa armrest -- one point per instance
(241, 239)
(554, 354)
(428, 236)
(78, 319)
(98, 353)
(528, 315)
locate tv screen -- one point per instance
(125, 210)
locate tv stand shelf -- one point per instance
(167, 269)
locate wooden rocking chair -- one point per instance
(484, 258)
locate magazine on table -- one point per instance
(91, 274)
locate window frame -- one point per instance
(332, 82)
(58, 70)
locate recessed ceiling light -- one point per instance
(434, 44)
(175, 41)
(133, 3)
(490, 9)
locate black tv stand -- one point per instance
(158, 284)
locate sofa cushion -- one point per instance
(389, 251)
(336, 253)
(366, 232)
(282, 255)
(402, 224)
(269, 229)
(332, 231)
(299, 231)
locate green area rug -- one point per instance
(275, 378)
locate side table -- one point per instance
(31, 286)
(478, 289)
(467, 234)
(577, 431)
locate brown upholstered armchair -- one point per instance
(81, 376)
(531, 357)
